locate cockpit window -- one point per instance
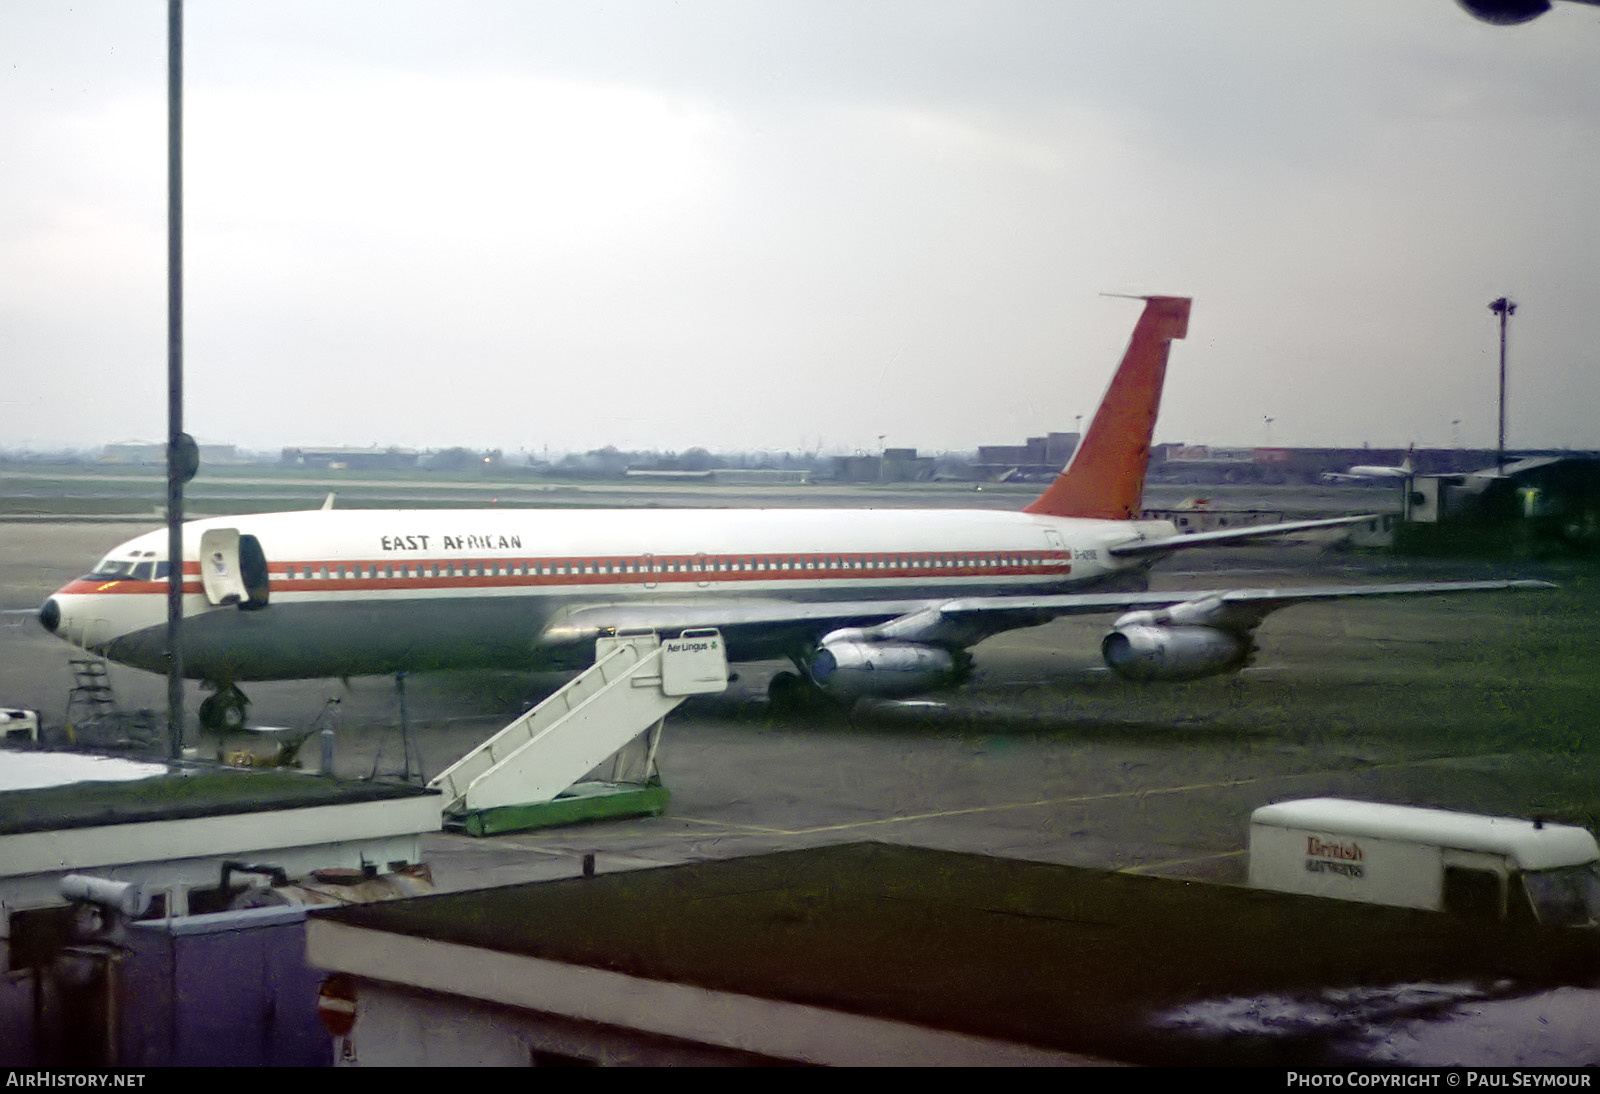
(113, 569)
(1566, 897)
(126, 569)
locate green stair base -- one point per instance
(581, 802)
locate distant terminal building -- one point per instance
(1038, 456)
(351, 459)
(1198, 464)
(894, 465)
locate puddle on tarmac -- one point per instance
(1489, 1025)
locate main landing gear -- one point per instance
(796, 693)
(223, 711)
(790, 691)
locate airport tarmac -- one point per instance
(1481, 703)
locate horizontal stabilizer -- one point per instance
(1232, 535)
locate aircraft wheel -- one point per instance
(784, 690)
(224, 711)
(794, 694)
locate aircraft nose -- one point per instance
(50, 615)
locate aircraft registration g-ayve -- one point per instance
(864, 602)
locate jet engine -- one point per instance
(1145, 652)
(853, 669)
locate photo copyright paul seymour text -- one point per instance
(1466, 1079)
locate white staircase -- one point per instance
(524, 775)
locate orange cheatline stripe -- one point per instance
(85, 587)
(455, 573)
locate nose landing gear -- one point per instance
(223, 711)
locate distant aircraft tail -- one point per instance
(1105, 477)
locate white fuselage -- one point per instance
(357, 592)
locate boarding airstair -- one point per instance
(91, 700)
(527, 775)
(93, 716)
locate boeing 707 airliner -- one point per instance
(874, 602)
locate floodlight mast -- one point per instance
(1505, 309)
(178, 453)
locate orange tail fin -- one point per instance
(1105, 477)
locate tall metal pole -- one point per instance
(178, 453)
(1505, 309)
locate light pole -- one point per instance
(180, 455)
(1505, 309)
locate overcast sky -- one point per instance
(781, 224)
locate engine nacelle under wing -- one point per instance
(853, 669)
(1143, 652)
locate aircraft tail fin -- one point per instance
(1105, 477)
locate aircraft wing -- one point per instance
(1232, 535)
(1246, 607)
(780, 619)
(771, 628)
(585, 623)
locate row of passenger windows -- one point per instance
(664, 566)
